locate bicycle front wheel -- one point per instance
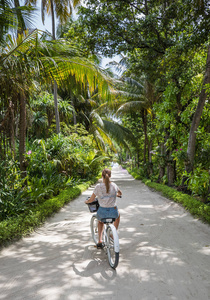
(112, 238)
(94, 228)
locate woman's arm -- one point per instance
(91, 199)
(119, 193)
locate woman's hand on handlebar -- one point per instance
(90, 199)
(119, 194)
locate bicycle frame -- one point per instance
(110, 239)
(115, 236)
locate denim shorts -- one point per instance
(107, 212)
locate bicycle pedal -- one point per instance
(100, 246)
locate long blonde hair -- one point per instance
(106, 174)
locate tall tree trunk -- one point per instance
(53, 20)
(137, 158)
(171, 169)
(74, 113)
(146, 142)
(171, 165)
(22, 133)
(146, 8)
(55, 90)
(150, 157)
(162, 163)
(21, 23)
(12, 129)
(57, 118)
(197, 117)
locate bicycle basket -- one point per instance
(93, 206)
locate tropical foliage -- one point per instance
(62, 116)
(167, 44)
(36, 163)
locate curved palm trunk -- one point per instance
(197, 117)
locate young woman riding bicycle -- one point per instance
(106, 192)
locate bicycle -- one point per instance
(110, 236)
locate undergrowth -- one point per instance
(17, 227)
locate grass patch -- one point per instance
(194, 206)
(17, 227)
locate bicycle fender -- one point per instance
(116, 238)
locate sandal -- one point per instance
(100, 245)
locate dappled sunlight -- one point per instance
(160, 255)
(205, 250)
(60, 261)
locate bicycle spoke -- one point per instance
(113, 256)
(94, 228)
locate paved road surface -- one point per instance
(165, 253)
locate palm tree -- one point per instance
(16, 69)
(14, 16)
(94, 114)
(28, 58)
(42, 113)
(62, 10)
(105, 130)
(134, 97)
(6, 18)
(90, 106)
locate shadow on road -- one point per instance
(164, 253)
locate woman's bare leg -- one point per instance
(100, 231)
(117, 222)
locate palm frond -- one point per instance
(98, 158)
(129, 95)
(120, 134)
(97, 119)
(98, 140)
(132, 106)
(133, 83)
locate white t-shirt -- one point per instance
(106, 199)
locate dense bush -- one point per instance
(52, 164)
(73, 155)
(14, 199)
(199, 183)
(16, 227)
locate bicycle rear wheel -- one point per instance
(113, 256)
(94, 228)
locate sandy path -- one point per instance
(165, 253)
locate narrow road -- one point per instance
(165, 253)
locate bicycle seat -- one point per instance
(108, 220)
